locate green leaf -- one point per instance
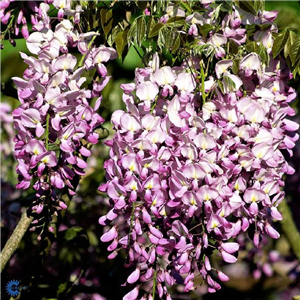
(137, 31)
(73, 232)
(216, 13)
(247, 6)
(93, 239)
(62, 288)
(176, 44)
(106, 20)
(230, 84)
(161, 6)
(120, 44)
(176, 21)
(165, 38)
(141, 30)
(293, 37)
(251, 29)
(233, 47)
(150, 25)
(111, 37)
(205, 29)
(236, 66)
(141, 5)
(155, 30)
(186, 6)
(263, 26)
(132, 33)
(279, 42)
(261, 50)
(259, 5)
(294, 51)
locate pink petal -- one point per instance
(271, 231)
(109, 235)
(230, 247)
(228, 257)
(132, 295)
(134, 276)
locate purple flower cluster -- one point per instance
(56, 121)
(186, 175)
(15, 17)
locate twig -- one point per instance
(13, 242)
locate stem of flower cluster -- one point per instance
(154, 285)
(89, 47)
(47, 132)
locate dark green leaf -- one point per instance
(293, 37)
(132, 33)
(259, 5)
(106, 20)
(161, 5)
(111, 38)
(141, 5)
(221, 86)
(251, 29)
(93, 239)
(150, 25)
(229, 83)
(141, 30)
(260, 49)
(176, 21)
(236, 66)
(295, 52)
(165, 38)
(62, 288)
(119, 44)
(186, 6)
(205, 29)
(73, 232)
(262, 52)
(102, 132)
(176, 44)
(156, 30)
(279, 42)
(216, 13)
(247, 6)
(296, 68)
(233, 47)
(137, 31)
(264, 26)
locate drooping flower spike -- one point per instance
(55, 121)
(186, 176)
